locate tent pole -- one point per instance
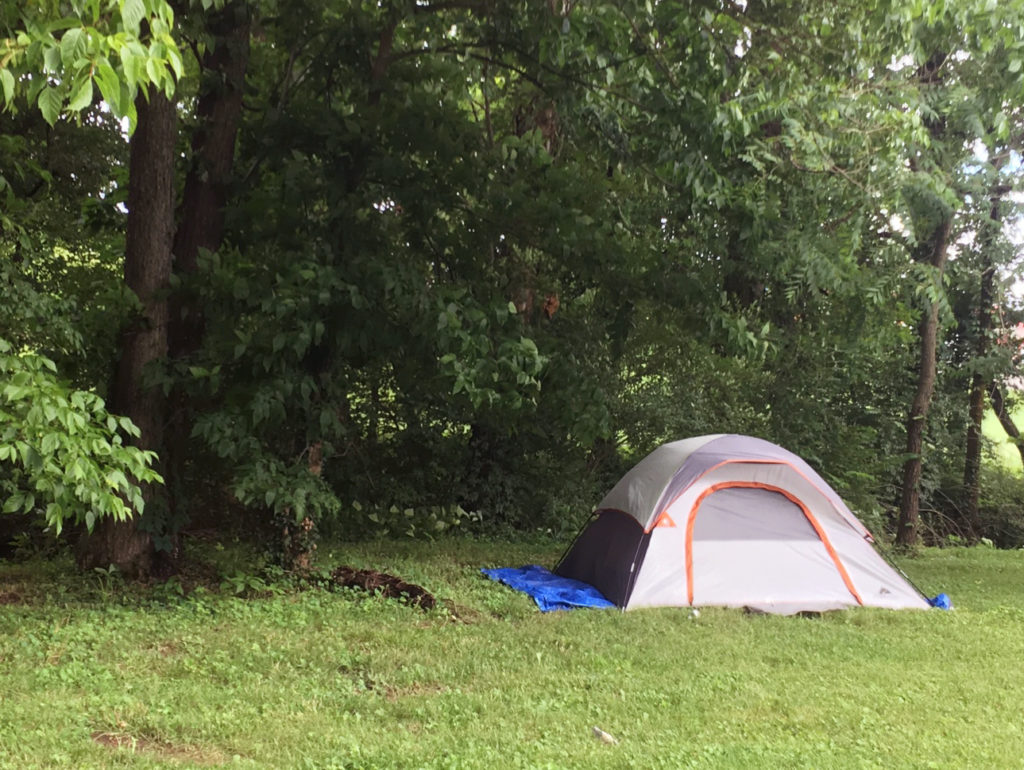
(895, 566)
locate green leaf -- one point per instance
(49, 104)
(51, 59)
(7, 81)
(81, 97)
(50, 443)
(128, 109)
(174, 62)
(110, 86)
(72, 46)
(128, 426)
(131, 66)
(155, 70)
(132, 14)
(117, 480)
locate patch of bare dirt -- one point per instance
(392, 694)
(193, 573)
(11, 597)
(167, 649)
(389, 586)
(163, 749)
(460, 613)
(366, 684)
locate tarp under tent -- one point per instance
(733, 521)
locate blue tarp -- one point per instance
(549, 591)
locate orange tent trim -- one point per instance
(756, 461)
(788, 495)
(664, 520)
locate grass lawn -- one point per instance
(114, 676)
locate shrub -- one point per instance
(61, 451)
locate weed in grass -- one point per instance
(108, 579)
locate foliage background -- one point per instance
(477, 258)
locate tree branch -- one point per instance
(995, 394)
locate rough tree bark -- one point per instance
(201, 214)
(147, 271)
(909, 518)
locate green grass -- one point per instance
(109, 676)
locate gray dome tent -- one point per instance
(731, 521)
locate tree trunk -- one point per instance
(147, 271)
(201, 215)
(201, 218)
(980, 383)
(934, 252)
(909, 518)
(972, 449)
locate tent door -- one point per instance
(754, 546)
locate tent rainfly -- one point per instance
(731, 521)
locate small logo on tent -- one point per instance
(664, 520)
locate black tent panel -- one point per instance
(605, 553)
